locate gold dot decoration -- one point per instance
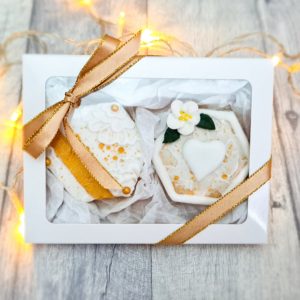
(48, 161)
(126, 190)
(115, 107)
(224, 176)
(121, 150)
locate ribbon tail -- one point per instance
(219, 209)
(66, 154)
(93, 78)
(107, 46)
(40, 131)
(89, 161)
(120, 71)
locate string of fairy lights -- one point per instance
(154, 42)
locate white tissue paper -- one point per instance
(147, 101)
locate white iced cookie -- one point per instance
(111, 136)
(202, 155)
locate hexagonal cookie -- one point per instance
(198, 165)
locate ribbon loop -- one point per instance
(40, 131)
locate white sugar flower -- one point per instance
(183, 117)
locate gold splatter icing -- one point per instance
(48, 161)
(214, 193)
(114, 107)
(121, 150)
(101, 146)
(224, 176)
(181, 190)
(115, 157)
(126, 190)
(108, 147)
(176, 177)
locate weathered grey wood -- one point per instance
(10, 83)
(240, 272)
(81, 271)
(92, 272)
(88, 271)
(14, 16)
(274, 19)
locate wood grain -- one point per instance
(238, 272)
(88, 271)
(144, 272)
(80, 271)
(11, 261)
(286, 107)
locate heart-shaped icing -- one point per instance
(203, 157)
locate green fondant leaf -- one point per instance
(206, 122)
(171, 135)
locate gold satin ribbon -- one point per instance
(64, 151)
(219, 209)
(108, 62)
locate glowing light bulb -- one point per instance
(276, 59)
(85, 2)
(122, 15)
(148, 37)
(121, 23)
(20, 233)
(15, 116)
(12, 122)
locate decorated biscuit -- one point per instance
(202, 154)
(111, 136)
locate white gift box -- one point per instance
(209, 79)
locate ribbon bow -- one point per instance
(109, 61)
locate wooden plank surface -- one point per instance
(144, 272)
(12, 260)
(88, 271)
(241, 272)
(286, 106)
(79, 271)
